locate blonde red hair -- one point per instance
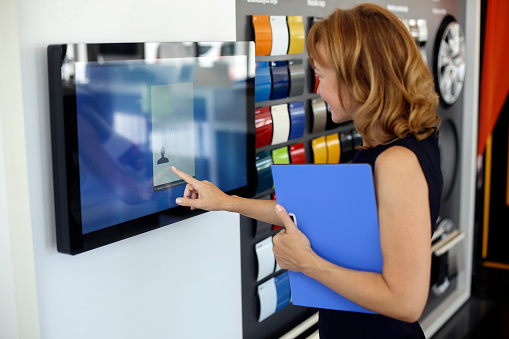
(379, 63)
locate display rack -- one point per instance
(450, 286)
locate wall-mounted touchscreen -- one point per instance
(123, 114)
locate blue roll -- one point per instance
(297, 119)
(263, 81)
(280, 79)
(283, 290)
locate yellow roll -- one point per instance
(319, 146)
(333, 148)
(297, 35)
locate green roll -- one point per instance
(280, 156)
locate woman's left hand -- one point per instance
(291, 247)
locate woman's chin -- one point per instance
(341, 118)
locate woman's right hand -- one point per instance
(201, 194)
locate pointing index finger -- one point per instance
(184, 176)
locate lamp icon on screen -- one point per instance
(163, 159)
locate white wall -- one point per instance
(8, 317)
(169, 283)
(18, 299)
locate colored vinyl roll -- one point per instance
(319, 146)
(414, 30)
(263, 123)
(280, 156)
(267, 295)
(347, 149)
(319, 109)
(263, 34)
(297, 154)
(265, 258)
(333, 148)
(422, 28)
(263, 81)
(297, 77)
(296, 33)
(280, 123)
(263, 163)
(280, 79)
(297, 119)
(282, 290)
(316, 84)
(280, 38)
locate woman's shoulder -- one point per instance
(407, 151)
(397, 158)
(428, 145)
(424, 149)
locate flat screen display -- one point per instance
(123, 114)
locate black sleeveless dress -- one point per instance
(339, 324)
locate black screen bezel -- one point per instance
(63, 120)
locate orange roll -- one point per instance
(263, 34)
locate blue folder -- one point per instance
(335, 206)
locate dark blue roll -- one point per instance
(280, 79)
(263, 81)
(297, 119)
(263, 163)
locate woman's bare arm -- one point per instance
(205, 195)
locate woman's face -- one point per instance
(328, 90)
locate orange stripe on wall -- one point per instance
(507, 179)
(495, 73)
(493, 264)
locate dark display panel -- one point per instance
(123, 114)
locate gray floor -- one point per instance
(486, 314)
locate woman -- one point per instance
(371, 72)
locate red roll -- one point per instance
(263, 123)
